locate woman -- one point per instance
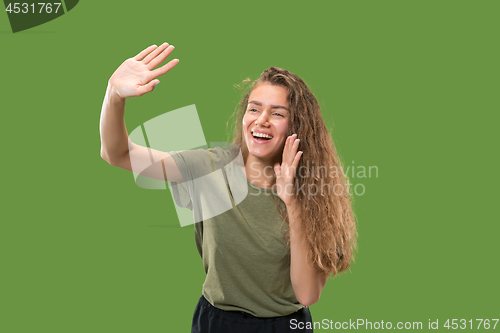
(267, 258)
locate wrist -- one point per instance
(293, 211)
(113, 95)
(292, 207)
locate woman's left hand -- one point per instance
(285, 173)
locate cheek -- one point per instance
(282, 142)
(247, 120)
(282, 128)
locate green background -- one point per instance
(408, 86)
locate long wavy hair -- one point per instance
(328, 220)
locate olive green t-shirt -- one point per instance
(245, 255)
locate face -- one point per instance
(268, 106)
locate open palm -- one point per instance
(137, 76)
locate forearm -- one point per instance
(307, 280)
(114, 136)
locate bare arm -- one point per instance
(114, 136)
(135, 77)
(307, 281)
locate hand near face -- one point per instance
(285, 173)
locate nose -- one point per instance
(263, 118)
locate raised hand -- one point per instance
(285, 173)
(137, 76)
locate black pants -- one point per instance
(209, 319)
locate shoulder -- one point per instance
(221, 156)
(199, 162)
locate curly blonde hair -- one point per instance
(329, 222)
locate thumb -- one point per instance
(147, 88)
(277, 169)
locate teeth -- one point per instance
(261, 135)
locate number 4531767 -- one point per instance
(39, 8)
(462, 323)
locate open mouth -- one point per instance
(261, 137)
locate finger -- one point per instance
(286, 149)
(292, 149)
(277, 170)
(144, 53)
(165, 68)
(153, 54)
(147, 87)
(161, 57)
(292, 169)
(295, 148)
(297, 159)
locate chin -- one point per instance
(261, 154)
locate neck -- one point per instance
(260, 172)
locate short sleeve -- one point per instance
(192, 165)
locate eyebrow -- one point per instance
(272, 106)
